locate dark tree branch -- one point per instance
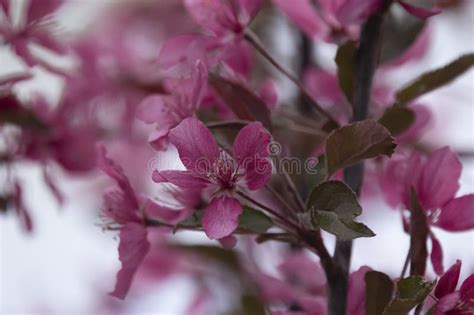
(366, 63)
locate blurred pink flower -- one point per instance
(335, 17)
(308, 291)
(128, 210)
(34, 29)
(223, 17)
(167, 111)
(207, 165)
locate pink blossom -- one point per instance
(308, 290)
(452, 301)
(225, 21)
(127, 209)
(167, 111)
(223, 17)
(33, 30)
(419, 12)
(65, 141)
(436, 181)
(207, 165)
(334, 17)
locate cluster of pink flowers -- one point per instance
(148, 84)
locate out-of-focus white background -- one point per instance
(69, 263)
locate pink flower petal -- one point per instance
(303, 14)
(457, 214)
(467, 291)
(221, 217)
(179, 54)
(114, 170)
(183, 179)
(356, 295)
(48, 41)
(439, 180)
(296, 267)
(20, 46)
(197, 90)
(75, 149)
(250, 7)
(436, 255)
(423, 118)
(268, 93)
(238, 55)
(132, 249)
(215, 16)
(228, 242)
(448, 282)
(447, 303)
(119, 208)
(324, 87)
(250, 150)
(5, 5)
(168, 215)
(419, 12)
(416, 51)
(156, 109)
(196, 146)
(312, 304)
(356, 11)
(399, 174)
(158, 139)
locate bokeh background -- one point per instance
(69, 263)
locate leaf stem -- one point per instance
(269, 210)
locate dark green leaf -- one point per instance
(243, 102)
(411, 292)
(254, 221)
(435, 79)
(355, 142)
(333, 207)
(419, 232)
(397, 119)
(378, 292)
(345, 60)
